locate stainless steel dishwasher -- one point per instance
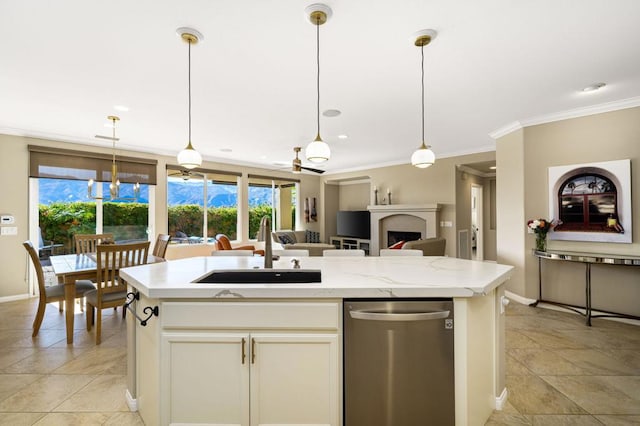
(398, 362)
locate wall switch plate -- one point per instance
(9, 230)
(7, 219)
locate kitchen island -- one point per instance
(250, 354)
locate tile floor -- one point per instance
(559, 372)
(44, 381)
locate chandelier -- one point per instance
(114, 186)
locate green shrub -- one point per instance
(129, 221)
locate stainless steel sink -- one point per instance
(261, 276)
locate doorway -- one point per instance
(477, 240)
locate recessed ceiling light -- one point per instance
(593, 87)
(343, 137)
(121, 108)
(331, 113)
(226, 150)
(493, 167)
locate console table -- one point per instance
(588, 259)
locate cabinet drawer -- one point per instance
(254, 315)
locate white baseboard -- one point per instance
(518, 298)
(131, 401)
(14, 298)
(502, 399)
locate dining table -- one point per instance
(69, 268)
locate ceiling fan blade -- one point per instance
(312, 169)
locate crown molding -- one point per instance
(566, 115)
(583, 112)
(505, 130)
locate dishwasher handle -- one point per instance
(409, 316)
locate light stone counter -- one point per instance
(342, 277)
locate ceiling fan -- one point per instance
(184, 174)
(297, 166)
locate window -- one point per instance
(188, 191)
(62, 207)
(588, 202)
(274, 197)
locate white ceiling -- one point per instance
(65, 64)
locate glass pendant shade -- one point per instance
(423, 157)
(189, 157)
(317, 151)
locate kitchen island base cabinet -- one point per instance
(267, 369)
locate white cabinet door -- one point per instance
(205, 378)
(294, 379)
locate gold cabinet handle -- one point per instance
(244, 354)
(253, 350)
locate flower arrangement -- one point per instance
(540, 227)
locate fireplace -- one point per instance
(419, 219)
(397, 236)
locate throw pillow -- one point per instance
(286, 239)
(312, 236)
(398, 245)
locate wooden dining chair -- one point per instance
(111, 291)
(160, 247)
(86, 243)
(52, 293)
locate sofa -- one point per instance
(429, 246)
(301, 240)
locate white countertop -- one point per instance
(342, 277)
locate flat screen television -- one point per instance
(354, 223)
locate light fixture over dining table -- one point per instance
(114, 186)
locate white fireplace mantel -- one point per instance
(428, 212)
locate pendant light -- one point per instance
(189, 157)
(423, 157)
(318, 151)
(114, 186)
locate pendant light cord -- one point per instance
(113, 160)
(422, 54)
(318, 74)
(189, 79)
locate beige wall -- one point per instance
(510, 207)
(14, 198)
(14, 201)
(410, 185)
(523, 159)
(354, 196)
